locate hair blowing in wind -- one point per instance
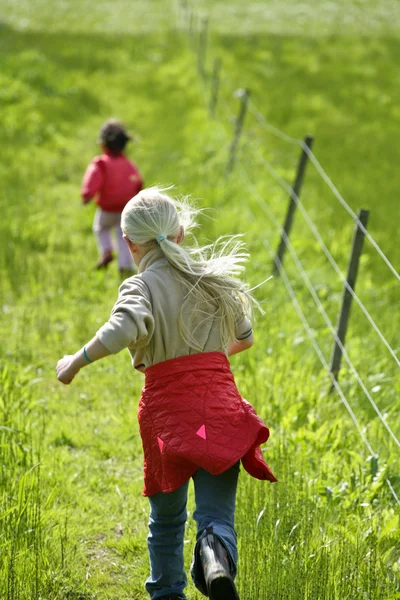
(210, 273)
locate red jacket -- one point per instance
(192, 417)
(112, 180)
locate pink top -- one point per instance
(112, 180)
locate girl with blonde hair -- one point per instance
(180, 317)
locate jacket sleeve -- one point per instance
(131, 323)
(92, 180)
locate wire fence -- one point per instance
(314, 229)
(219, 100)
(324, 176)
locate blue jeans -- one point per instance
(215, 498)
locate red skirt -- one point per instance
(191, 417)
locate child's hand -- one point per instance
(66, 369)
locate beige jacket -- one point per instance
(145, 317)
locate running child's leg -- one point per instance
(125, 261)
(215, 497)
(165, 543)
(103, 221)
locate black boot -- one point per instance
(216, 568)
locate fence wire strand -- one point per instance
(271, 128)
(343, 202)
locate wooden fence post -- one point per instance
(296, 189)
(244, 94)
(202, 49)
(191, 27)
(347, 298)
(215, 86)
(184, 10)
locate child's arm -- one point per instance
(244, 337)
(92, 181)
(70, 365)
(240, 345)
(131, 322)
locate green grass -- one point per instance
(73, 523)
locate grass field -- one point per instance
(73, 524)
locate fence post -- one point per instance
(296, 189)
(347, 298)
(215, 86)
(191, 27)
(201, 54)
(184, 9)
(244, 94)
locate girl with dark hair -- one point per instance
(112, 180)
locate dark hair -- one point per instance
(114, 135)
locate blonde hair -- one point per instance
(210, 273)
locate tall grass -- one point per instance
(21, 525)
